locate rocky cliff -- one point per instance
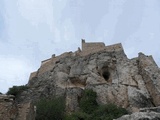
(8, 108)
(130, 83)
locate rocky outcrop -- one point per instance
(8, 110)
(152, 113)
(151, 109)
(26, 111)
(11, 110)
(141, 116)
(129, 83)
(151, 76)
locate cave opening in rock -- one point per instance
(106, 75)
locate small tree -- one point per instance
(16, 90)
(78, 116)
(108, 112)
(88, 101)
(52, 109)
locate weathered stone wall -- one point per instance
(87, 48)
(47, 64)
(33, 74)
(8, 110)
(91, 46)
(26, 111)
(11, 110)
(110, 48)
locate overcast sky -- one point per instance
(33, 30)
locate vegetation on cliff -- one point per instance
(88, 102)
(54, 109)
(50, 109)
(90, 110)
(16, 90)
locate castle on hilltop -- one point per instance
(133, 84)
(86, 49)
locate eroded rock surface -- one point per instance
(151, 113)
(8, 110)
(141, 116)
(11, 110)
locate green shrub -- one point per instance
(103, 112)
(78, 116)
(88, 101)
(108, 112)
(16, 90)
(52, 109)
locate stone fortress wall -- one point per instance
(87, 48)
(91, 45)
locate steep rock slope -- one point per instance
(130, 83)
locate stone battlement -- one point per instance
(87, 48)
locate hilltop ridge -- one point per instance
(130, 83)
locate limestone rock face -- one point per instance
(141, 116)
(152, 113)
(151, 76)
(10, 110)
(129, 83)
